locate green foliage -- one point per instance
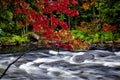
(106, 10)
(2, 33)
(109, 10)
(105, 36)
(2, 39)
(18, 39)
(7, 24)
(14, 39)
(94, 37)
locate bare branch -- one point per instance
(13, 63)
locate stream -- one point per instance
(49, 65)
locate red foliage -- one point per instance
(108, 28)
(74, 2)
(44, 21)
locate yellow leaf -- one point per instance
(86, 5)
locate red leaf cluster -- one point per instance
(74, 2)
(108, 28)
(44, 21)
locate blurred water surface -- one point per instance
(48, 65)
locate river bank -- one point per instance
(12, 48)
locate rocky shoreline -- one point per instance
(8, 48)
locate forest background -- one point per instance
(97, 22)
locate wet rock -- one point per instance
(81, 58)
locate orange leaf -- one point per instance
(86, 5)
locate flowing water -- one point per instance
(48, 65)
